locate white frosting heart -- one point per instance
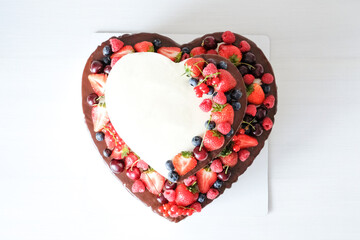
(153, 108)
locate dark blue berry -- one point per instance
(106, 60)
(210, 125)
(185, 50)
(201, 198)
(99, 136)
(196, 141)
(107, 50)
(173, 176)
(107, 152)
(169, 165)
(236, 105)
(157, 43)
(211, 90)
(266, 88)
(222, 65)
(228, 96)
(218, 184)
(193, 82)
(236, 94)
(243, 69)
(230, 133)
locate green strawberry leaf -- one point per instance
(226, 151)
(193, 188)
(186, 154)
(151, 49)
(249, 89)
(234, 59)
(125, 151)
(178, 57)
(218, 107)
(216, 133)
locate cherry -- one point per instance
(96, 67)
(200, 155)
(117, 165)
(261, 113)
(161, 199)
(107, 69)
(209, 43)
(92, 99)
(169, 185)
(224, 176)
(133, 173)
(258, 130)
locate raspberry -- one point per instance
(267, 78)
(219, 98)
(244, 46)
(244, 154)
(228, 37)
(190, 181)
(210, 69)
(224, 127)
(269, 101)
(216, 166)
(251, 110)
(142, 164)
(211, 51)
(212, 193)
(267, 123)
(196, 206)
(185, 56)
(206, 105)
(113, 61)
(170, 195)
(130, 160)
(249, 79)
(138, 186)
(116, 44)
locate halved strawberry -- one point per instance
(229, 159)
(213, 140)
(97, 82)
(174, 53)
(230, 52)
(197, 51)
(122, 52)
(227, 81)
(144, 46)
(184, 162)
(205, 179)
(120, 151)
(245, 141)
(222, 113)
(184, 197)
(110, 140)
(194, 66)
(153, 181)
(99, 117)
(255, 94)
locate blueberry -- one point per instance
(218, 184)
(210, 125)
(196, 141)
(228, 96)
(107, 50)
(211, 90)
(222, 65)
(106, 60)
(169, 165)
(173, 176)
(258, 71)
(243, 69)
(266, 88)
(230, 133)
(99, 136)
(236, 94)
(193, 82)
(249, 58)
(185, 50)
(107, 152)
(157, 43)
(201, 198)
(236, 105)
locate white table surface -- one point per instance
(314, 152)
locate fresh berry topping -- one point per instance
(197, 51)
(92, 99)
(206, 105)
(184, 162)
(185, 50)
(154, 182)
(210, 125)
(212, 193)
(157, 43)
(170, 195)
(184, 197)
(218, 184)
(161, 199)
(249, 57)
(120, 152)
(117, 165)
(227, 81)
(99, 136)
(261, 113)
(196, 141)
(123, 51)
(200, 155)
(144, 46)
(114, 60)
(138, 187)
(142, 165)
(269, 101)
(216, 166)
(107, 68)
(228, 37)
(266, 88)
(258, 71)
(184, 56)
(106, 60)
(96, 67)
(209, 42)
(222, 113)
(116, 44)
(224, 175)
(170, 185)
(230, 52)
(169, 165)
(230, 159)
(248, 79)
(255, 94)
(97, 82)
(245, 141)
(251, 110)
(219, 98)
(236, 105)
(243, 70)
(130, 160)
(193, 82)
(210, 70)
(173, 176)
(211, 90)
(194, 66)
(133, 173)
(99, 117)
(211, 51)
(222, 65)
(267, 123)
(189, 181)
(203, 87)
(230, 133)
(196, 206)
(205, 179)
(267, 78)
(107, 50)
(173, 53)
(107, 152)
(224, 128)
(244, 154)
(244, 46)
(236, 94)
(198, 91)
(201, 198)
(213, 140)
(257, 130)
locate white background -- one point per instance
(314, 151)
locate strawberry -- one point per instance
(227, 81)
(123, 51)
(230, 52)
(120, 151)
(229, 159)
(153, 181)
(245, 141)
(97, 82)
(197, 51)
(222, 113)
(184, 162)
(213, 140)
(228, 37)
(205, 178)
(174, 53)
(194, 66)
(255, 94)
(116, 44)
(99, 117)
(110, 140)
(212, 51)
(144, 46)
(184, 197)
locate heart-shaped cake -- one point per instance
(178, 124)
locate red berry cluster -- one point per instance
(173, 210)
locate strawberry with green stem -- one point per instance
(153, 181)
(184, 162)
